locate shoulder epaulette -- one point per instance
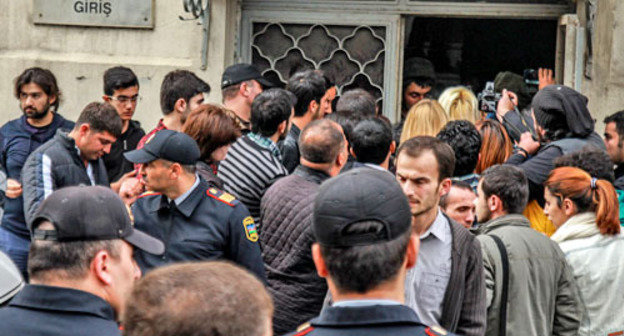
(221, 195)
(149, 193)
(304, 329)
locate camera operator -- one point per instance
(563, 125)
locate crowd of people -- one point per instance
(303, 211)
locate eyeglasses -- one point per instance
(125, 99)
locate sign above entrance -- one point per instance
(98, 13)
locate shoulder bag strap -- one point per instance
(503, 301)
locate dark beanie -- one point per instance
(560, 106)
(514, 83)
(417, 67)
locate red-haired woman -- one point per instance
(585, 211)
(214, 129)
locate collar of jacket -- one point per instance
(189, 204)
(311, 174)
(506, 220)
(60, 299)
(70, 144)
(366, 315)
(576, 227)
(295, 132)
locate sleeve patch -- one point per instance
(250, 229)
(221, 196)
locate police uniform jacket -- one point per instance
(209, 224)
(384, 320)
(40, 310)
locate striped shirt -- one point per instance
(247, 171)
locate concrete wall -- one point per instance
(605, 89)
(78, 56)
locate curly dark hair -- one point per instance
(590, 159)
(465, 140)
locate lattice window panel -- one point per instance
(352, 55)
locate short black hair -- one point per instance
(307, 86)
(362, 268)
(465, 140)
(180, 84)
(101, 117)
(347, 121)
(44, 78)
(371, 140)
(508, 183)
(445, 157)
(592, 160)
(119, 77)
(618, 119)
(457, 184)
(321, 141)
(269, 109)
(357, 102)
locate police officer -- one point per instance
(362, 226)
(80, 266)
(195, 221)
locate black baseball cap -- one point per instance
(89, 213)
(167, 145)
(241, 72)
(360, 195)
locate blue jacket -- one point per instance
(17, 140)
(40, 310)
(374, 320)
(209, 224)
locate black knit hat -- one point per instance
(557, 106)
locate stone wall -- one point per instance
(78, 56)
(605, 89)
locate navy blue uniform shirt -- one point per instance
(208, 224)
(40, 310)
(367, 320)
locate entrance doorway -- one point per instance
(471, 52)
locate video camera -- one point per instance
(488, 98)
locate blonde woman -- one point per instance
(460, 104)
(425, 118)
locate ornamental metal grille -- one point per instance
(351, 55)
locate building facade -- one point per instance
(361, 43)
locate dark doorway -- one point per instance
(472, 51)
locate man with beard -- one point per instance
(309, 88)
(254, 161)
(195, 221)
(39, 97)
(446, 287)
(530, 287)
(73, 158)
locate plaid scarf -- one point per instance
(267, 143)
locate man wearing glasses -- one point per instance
(121, 90)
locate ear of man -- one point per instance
(321, 268)
(100, 267)
(180, 105)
